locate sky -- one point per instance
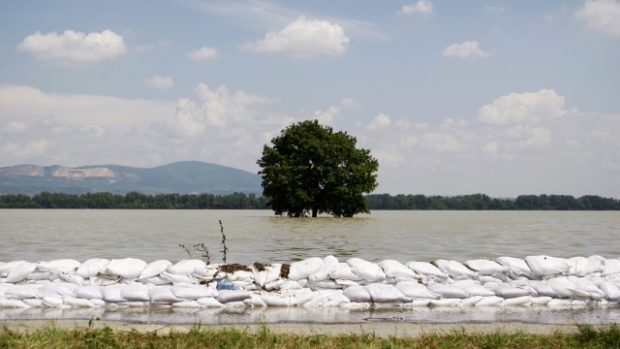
(452, 97)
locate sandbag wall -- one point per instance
(542, 281)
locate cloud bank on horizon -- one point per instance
(451, 97)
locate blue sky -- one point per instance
(452, 97)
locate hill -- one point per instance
(185, 177)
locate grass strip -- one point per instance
(54, 337)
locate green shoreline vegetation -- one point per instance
(197, 337)
(133, 200)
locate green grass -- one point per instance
(52, 337)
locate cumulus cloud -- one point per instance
(523, 108)
(422, 7)
(601, 15)
(202, 54)
(74, 46)
(304, 38)
(380, 121)
(159, 82)
(465, 49)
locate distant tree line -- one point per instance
(135, 200)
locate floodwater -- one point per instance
(251, 236)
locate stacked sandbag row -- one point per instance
(313, 282)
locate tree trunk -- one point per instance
(315, 211)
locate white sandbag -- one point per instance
(97, 303)
(254, 301)
(88, 292)
(445, 302)
(270, 274)
(127, 268)
(157, 281)
(59, 266)
(544, 289)
(290, 285)
(427, 269)
(383, 293)
(514, 266)
(356, 306)
(395, 269)
(578, 303)
(111, 294)
(33, 302)
(77, 302)
(323, 284)
(415, 290)
(194, 292)
(326, 298)
(186, 266)
(477, 290)
(240, 275)
(540, 300)
(226, 296)
(343, 272)
(52, 301)
(154, 268)
(186, 304)
(288, 298)
(330, 263)
(357, 294)
(485, 266)
(178, 278)
(447, 291)
(580, 266)
(507, 291)
(492, 301)
(303, 269)
(135, 292)
(586, 288)
(486, 278)
(209, 302)
(346, 283)
(562, 287)
(22, 292)
(39, 275)
(559, 303)
(163, 295)
(611, 267)
(597, 263)
(369, 272)
(546, 265)
(518, 301)
(612, 292)
(455, 269)
(6, 267)
(12, 303)
(19, 272)
(58, 288)
(73, 278)
(92, 267)
(275, 285)
(471, 301)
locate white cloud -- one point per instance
(25, 150)
(202, 54)
(601, 15)
(215, 108)
(465, 49)
(380, 121)
(422, 6)
(74, 46)
(304, 38)
(159, 82)
(440, 142)
(523, 108)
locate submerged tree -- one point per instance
(309, 168)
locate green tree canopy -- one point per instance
(309, 168)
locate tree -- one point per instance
(311, 168)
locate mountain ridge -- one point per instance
(183, 177)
